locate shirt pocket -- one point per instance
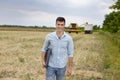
(64, 44)
(53, 43)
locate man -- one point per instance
(62, 49)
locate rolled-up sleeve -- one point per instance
(45, 45)
(70, 48)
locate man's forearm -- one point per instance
(43, 56)
(70, 62)
(43, 59)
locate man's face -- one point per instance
(60, 25)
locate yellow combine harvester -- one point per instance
(73, 27)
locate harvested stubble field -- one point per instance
(20, 56)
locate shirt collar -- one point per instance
(64, 34)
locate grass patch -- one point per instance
(22, 60)
(111, 56)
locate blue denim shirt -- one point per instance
(61, 49)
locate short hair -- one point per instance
(61, 19)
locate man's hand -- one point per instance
(43, 59)
(69, 71)
(70, 64)
(43, 64)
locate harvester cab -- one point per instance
(73, 27)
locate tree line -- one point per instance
(112, 20)
(20, 26)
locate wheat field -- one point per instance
(20, 56)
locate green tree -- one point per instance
(95, 27)
(112, 20)
(116, 5)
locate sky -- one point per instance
(45, 12)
